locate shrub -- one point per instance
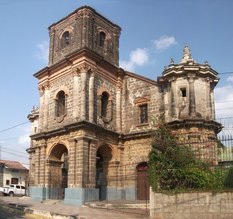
(228, 182)
(175, 167)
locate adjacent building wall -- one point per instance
(194, 205)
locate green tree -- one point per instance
(173, 166)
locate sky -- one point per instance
(153, 32)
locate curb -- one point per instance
(49, 214)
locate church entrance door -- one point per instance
(142, 182)
(58, 172)
(103, 156)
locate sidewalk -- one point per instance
(56, 209)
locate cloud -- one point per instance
(24, 140)
(230, 78)
(224, 101)
(164, 42)
(138, 57)
(43, 51)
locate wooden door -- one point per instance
(142, 182)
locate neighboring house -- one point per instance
(91, 134)
(12, 172)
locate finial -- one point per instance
(172, 61)
(186, 55)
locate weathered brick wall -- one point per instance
(133, 90)
(203, 141)
(135, 152)
(103, 84)
(57, 85)
(193, 205)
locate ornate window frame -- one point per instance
(142, 104)
(60, 117)
(106, 119)
(65, 38)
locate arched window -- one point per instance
(104, 104)
(102, 37)
(61, 104)
(65, 40)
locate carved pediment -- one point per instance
(142, 100)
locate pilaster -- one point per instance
(46, 106)
(37, 166)
(41, 108)
(76, 84)
(83, 71)
(118, 108)
(72, 163)
(91, 97)
(173, 99)
(192, 106)
(79, 160)
(42, 167)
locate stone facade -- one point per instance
(91, 132)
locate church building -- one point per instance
(91, 134)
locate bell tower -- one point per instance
(188, 102)
(84, 30)
(188, 89)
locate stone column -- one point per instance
(75, 93)
(46, 107)
(51, 47)
(83, 92)
(212, 101)
(37, 166)
(173, 99)
(41, 108)
(91, 97)
(118, 109)
(192, 106)
(42, 164)
(92, 164)
(79, 163)
(166, 102)
(85, 153)
(72, 163)
(208, 99)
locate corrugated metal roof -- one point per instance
(13, 165)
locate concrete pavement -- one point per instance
(56, 209)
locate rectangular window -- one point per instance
(183, 92)
(143, 113)
(7, 182)
(14, 180)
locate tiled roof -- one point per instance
(13, 165)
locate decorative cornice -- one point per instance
(217, 127)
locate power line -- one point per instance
(225, 73)
(19, 152)
(12, 127)
(224, 108)
(8, 139)
(15, 154)
(227, 101)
